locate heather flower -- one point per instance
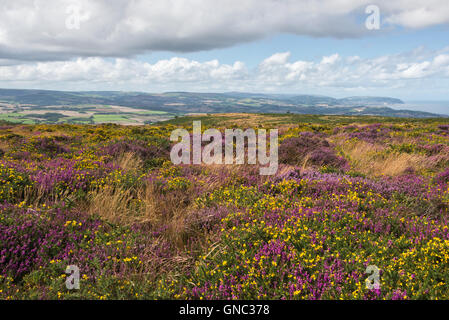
(442, 178)
(310, 148)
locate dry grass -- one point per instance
(396, 164)
(4, 146)
(141, 204)
(129, 162)
(145, 205)
(112, 204)
(126, 206)
(371, 160)
(35, 196)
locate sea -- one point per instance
(439, 107)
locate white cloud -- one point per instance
(276, 59)
(101, 70)
(416, 70)
(441, 60)
(421, 14)
(330, 59)
(37, 30)
(408, 70)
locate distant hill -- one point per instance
(189, 102)
(369, 101)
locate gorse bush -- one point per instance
(13, 184)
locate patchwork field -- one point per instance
(350, 192)
(81, 114)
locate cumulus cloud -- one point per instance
(48, 30)
(418, 14)
(121, 72)
(275, 73)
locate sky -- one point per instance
(396, 48)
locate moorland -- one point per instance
(350, 192)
